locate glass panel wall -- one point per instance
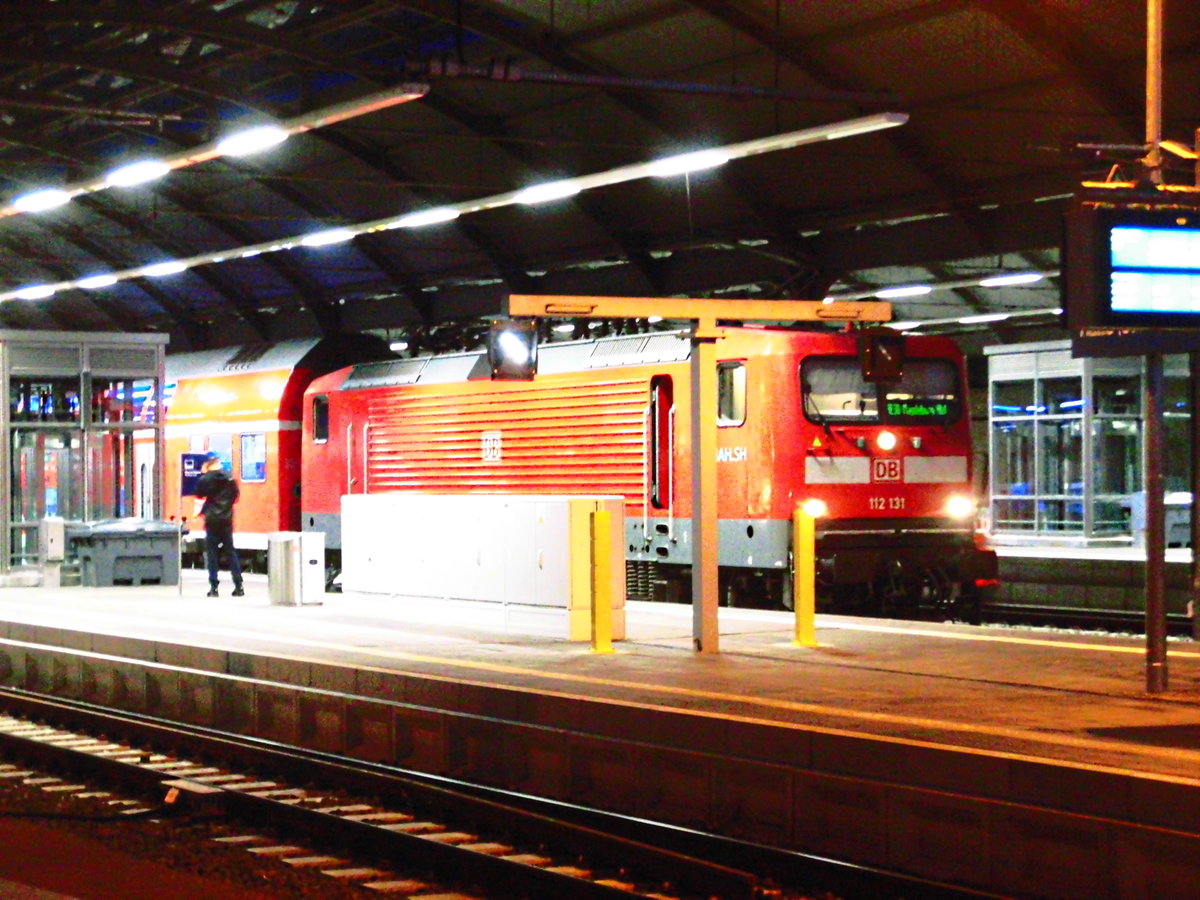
(1065, 441)
(82, 436)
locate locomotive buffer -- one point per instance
(704, 315)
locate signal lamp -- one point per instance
(512, 349)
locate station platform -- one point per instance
(1029, 721)
(1065, 696)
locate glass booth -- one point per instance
(1065, 444)
(82, 431)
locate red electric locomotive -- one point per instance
(796, 420)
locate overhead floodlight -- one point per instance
(96, 281)
(137, 173)
(512, 349)
(40, 201)
(911, 290)
(687, 162)
(564, 328)
(543, 193)
(902, 326)
(1011, 280)
(159, 270)
(425, 217)
(980, 319)
(324, 238)
(252, 140)
(36, 292)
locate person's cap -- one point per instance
(210, 456)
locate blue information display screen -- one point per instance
(1154, 269)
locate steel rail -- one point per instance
(652, 864)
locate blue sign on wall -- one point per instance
(189, 467)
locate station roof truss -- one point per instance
(1010, 104)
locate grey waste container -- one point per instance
(125, 551)
(295, 567)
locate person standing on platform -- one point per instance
(220, 493)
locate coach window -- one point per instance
(254, 457)
(660, 426)
(731, 393)
(320, 419)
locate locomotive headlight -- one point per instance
(814, 507)
(885, 440)
(960, 506)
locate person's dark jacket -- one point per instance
(220, 492)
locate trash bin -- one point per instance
(125, 551)
(295, 567)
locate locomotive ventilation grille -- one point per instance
(553, 439)
(380, 374)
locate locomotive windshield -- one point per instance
(834, 390)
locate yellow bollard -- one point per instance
(601, 582)
(804, 571)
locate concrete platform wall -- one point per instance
(998, 822)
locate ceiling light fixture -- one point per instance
(252, 140)
(39, 201)
(911, 290)
(137, 173)
(982, 318)
(544, 193)
(1043, 313)
(1017, 278)
(324, 238)
(328, 115)
(159, 270)
(686, 163)
(426, 217)
(563, 188)
(36, 292)
(93, 282)
(951, 285)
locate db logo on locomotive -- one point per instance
(885, 470)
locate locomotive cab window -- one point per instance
(320, 419)
(833, 390)
(731, 394)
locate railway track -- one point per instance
(374, 826)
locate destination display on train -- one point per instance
(1155, 269)
(917, 409)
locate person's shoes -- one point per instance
(212, 592)
(238, 592)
